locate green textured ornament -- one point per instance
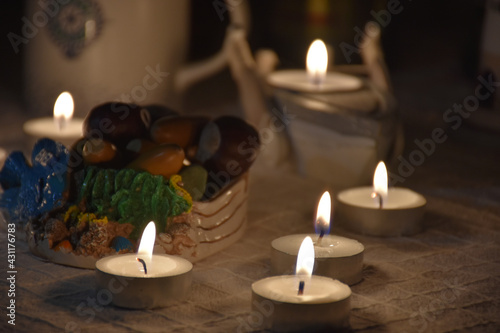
(130, 196)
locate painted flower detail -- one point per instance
(32, 189)
(76, 25)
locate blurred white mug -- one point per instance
(113, 50)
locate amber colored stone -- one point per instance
(98, 151)
(165, 160)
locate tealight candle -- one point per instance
(379, 210)
(143, 279)
(316, 78)
(62, 127)
(302, 302)
(337, 257)
(3, 156)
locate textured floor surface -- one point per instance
(441, 280)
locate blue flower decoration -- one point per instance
(32, 190)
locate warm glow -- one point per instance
(317, 62)
(64, 107)
(380, 180)
(147, 242)
(323, 214)
(305, 258)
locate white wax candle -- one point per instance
(47, 128)
(325, 303)
(298, 80)
(167, 281)
(331, 246)
(317, 289)
(127, 265)
(397, 198)
(335, 256)
(400, 214)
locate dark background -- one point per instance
(432, 49)
(426, 32)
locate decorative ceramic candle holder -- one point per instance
(214, 225)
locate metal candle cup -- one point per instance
(167, 281)
(62, 127)
(301, 302)
(144, 280)
(334, 256)
(400, 216)
(46, 128)
(380, 210)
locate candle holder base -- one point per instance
(343, 261)
(142, 293)
(36, 129)
(312, 314)
(373, 221)
(345, 269)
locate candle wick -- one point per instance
(60, 122)
(316, 79)
(143, 265)
(301, 288)
(321, 234)
(380, 199)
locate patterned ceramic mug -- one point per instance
(104, 50)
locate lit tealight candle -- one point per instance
(317, 63)
(379, 210)
(315, 78)
(143, 279)
(337, 257)
(301, 302)
(62, 127)
(3, 156)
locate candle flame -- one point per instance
(63, 109)
(323, 213)
(305, 258)
(64, 106)
(380, 181)
(147, 242)
(317, 62)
